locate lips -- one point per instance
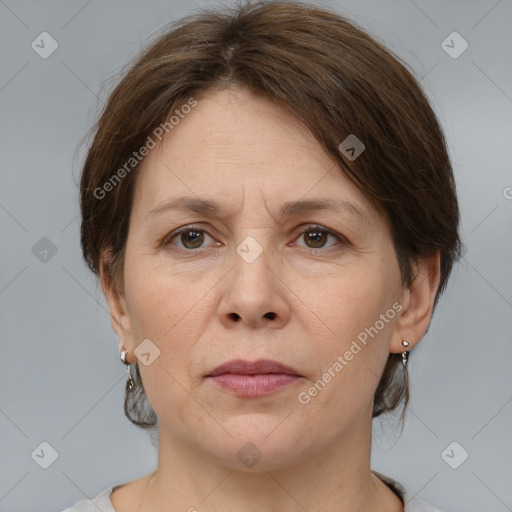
(260, 367)
(253, 379)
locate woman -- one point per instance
(269, 204)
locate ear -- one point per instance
(418, 304)
(119, 316)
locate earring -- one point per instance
(129, 382)
(405, 353)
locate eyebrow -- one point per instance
(290, 208)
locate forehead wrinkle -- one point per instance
(290, 208)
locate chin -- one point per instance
(254, 448)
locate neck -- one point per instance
(337, 477)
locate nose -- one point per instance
(254, 295)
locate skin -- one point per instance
(251, 156)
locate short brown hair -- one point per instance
(332, 76)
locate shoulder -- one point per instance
(411, 502)
(100, 502)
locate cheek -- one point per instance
(357, 306)
(353, 299)
(161, 299)
(172, 308)
(167, 316)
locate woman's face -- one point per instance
(250, 281)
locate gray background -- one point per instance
(61, 380)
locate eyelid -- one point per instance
(303, 229)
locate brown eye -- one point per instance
(193, 237)
(316, 237)
(187, 238)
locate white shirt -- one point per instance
(102, 501)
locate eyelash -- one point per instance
(167, 239)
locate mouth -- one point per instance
(253, 379)
(260, 367)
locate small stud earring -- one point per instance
(405, 353)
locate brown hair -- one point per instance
(332, 76)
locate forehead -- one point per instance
(235, 145)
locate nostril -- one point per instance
(270, 315)
(235, 316)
